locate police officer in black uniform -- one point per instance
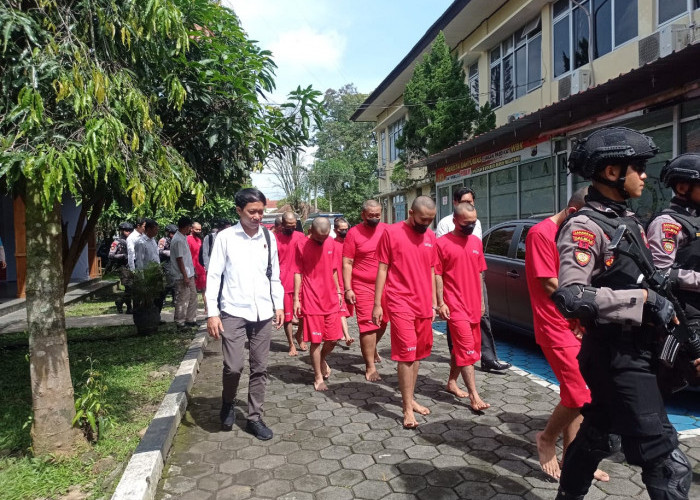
(674, 240)
(118, 260)
(623, 321)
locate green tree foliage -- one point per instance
(142, 102)
(441, 111)
(346, 159)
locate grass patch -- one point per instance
(102, 303)
(126, 361)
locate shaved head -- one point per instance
(464, 209)
(289, 215)
(370, 204)
(321, 226)
(423, 202)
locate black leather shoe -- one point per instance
(227, 416)
(494, 365)
(192, 324)
(258, 429)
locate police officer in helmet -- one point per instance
(622, 320)
(118, 259)
(674, 237)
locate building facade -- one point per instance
(549, 81)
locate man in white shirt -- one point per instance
(245, 305)
(146, 248)
(489, 358)
(182, 269)
(131, 242)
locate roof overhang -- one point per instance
(672, 78)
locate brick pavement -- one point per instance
(348, 443)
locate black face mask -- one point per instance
(372, 222)
(420, 228)
(288, 231)
(342, 234)
(467, 228)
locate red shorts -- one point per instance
(411, 338)
(573, 391)
(288, 307)
(320, 328)
(466, 342)
(364, 303)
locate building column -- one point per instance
(20, 245)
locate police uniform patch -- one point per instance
(670, 229)
(610, 261)
(584, 238)
(669, 245)
(583, 257)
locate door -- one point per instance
(519, 309)
(497, 245)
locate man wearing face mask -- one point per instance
(458, 276)
(317, 295)
(407, 258)
(341, 226)
(359, 275)
(287, 240)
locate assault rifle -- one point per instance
(657, 281)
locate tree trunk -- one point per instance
(52, 389)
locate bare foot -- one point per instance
(420, 409)
(292, 350)
(409, 420)
(601, 475)
(372, 375)
(326, 370)
(548, 457)
(453, 388)
(320, 386)
(477, 404)
(302, 346)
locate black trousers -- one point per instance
(618, 367)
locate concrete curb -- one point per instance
(143, 472)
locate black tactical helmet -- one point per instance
(171, 228)
(609, 146)
(126, 226)
(683, 168)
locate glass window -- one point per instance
(503, 189)
(690, 136)
(395, 131)
(508, 84)
(520, 250)
(499, 241)
(690, 108)
(474, 82)
(655, 195)
(495, 94)
(536, 188)
(562, 173)
(444, 201)
(560, 7)
(626, 20)
(520, 71)
(603, 26)
(383, 147)
(562, 50)
(669, 9)
(534, 63)
(580, 35)
(399, 203)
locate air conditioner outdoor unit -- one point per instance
(672, 37)
(515, 116)
(564, 87)
(580, 80)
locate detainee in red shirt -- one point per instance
(316, 282)
(287, 240)
(407, 256)
(359, 277)
(341, 226)
(559, 338)
(458, 281)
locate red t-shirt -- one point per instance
(339, 263)
(360, 245)
(201, 275)
(410, 257)
(461, 262)
(286, 247)
(542, 261)
(316, 264)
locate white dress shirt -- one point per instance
(242, 260)
(130, 244)
(145, 252)
(447, 225)
(180, 248)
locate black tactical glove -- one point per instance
(657, 310)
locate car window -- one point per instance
(499, 241)
(520, 252)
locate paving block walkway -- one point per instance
(348, 442)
